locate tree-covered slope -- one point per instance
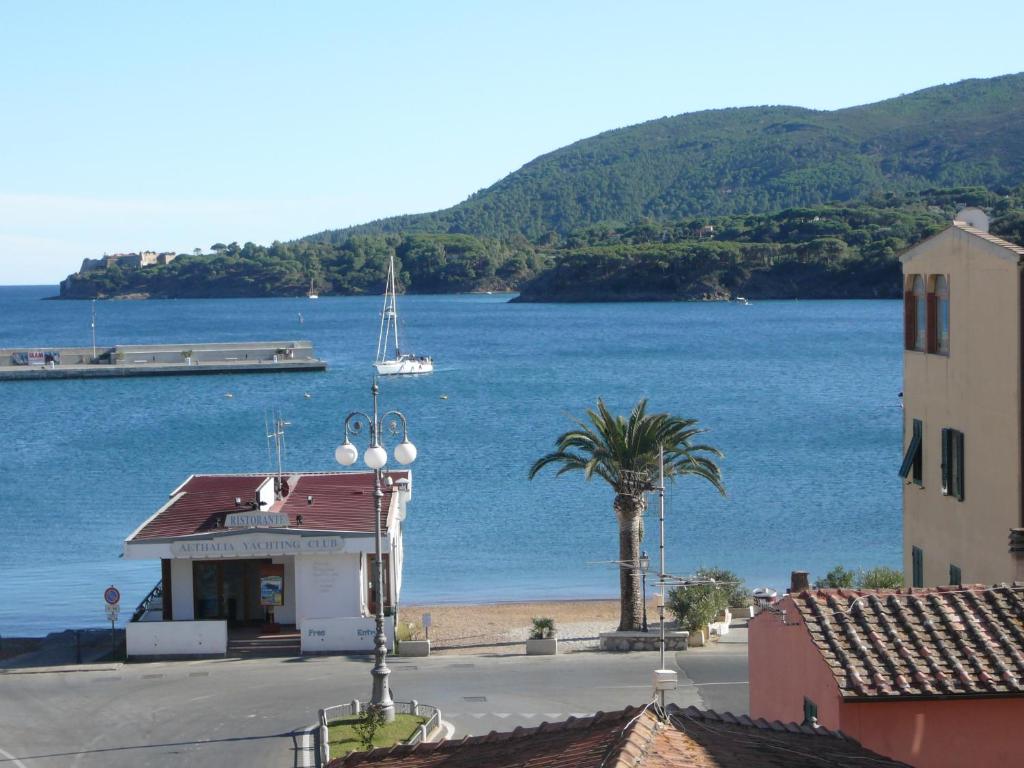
(814, 252)
(746, 160)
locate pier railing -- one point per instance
(156, 593)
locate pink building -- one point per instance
(930, 677)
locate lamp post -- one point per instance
(375, 458)
(645, 563)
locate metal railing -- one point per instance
(155, 593)
(354, 707)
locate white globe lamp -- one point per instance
(405, 452)
(375, 457)
(346, 454)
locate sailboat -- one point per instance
(395, 363)
(312, 294)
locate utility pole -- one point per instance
(94, 329)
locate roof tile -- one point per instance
(922, 642)
(637, 738)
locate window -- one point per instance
(810, 712)
(953, 463)
(941, 318)
(915, 316)
(954, 575)
(912, 459)
(371, 578)
(917, 566)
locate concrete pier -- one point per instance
(33, 363)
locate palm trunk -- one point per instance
(629, 511)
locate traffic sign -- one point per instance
(112, 612)
(111, 595)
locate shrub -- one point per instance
(881, 577)
(370, 721)
(543, 628)
(837, 578)
(696, 606)
(736, 594)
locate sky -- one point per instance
(172, 126)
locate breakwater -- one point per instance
(32, 363)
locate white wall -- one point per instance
(177, 638)
(326, 587)
(182, 604)
(347, 634)
(285, 613)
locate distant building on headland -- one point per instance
(128, 260)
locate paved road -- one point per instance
(208, 713)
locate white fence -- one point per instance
(330, 714)
(176, 638)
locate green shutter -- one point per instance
(954, 575)
(959, 476)
(917, 566)
(947, 474)
(912, 458)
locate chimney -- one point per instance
(798, 582)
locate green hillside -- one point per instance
(748, 160)
(766, 202)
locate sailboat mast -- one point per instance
(382, 336)
(394, 308)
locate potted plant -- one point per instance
(412, 642)
(542, 640)
(187, 354)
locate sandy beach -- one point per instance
(505, 626)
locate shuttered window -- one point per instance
(942, 315)
(913, 465)
(955, 579)
(953, 463)
(917, 566)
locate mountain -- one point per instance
(748, 160)
(766, 202)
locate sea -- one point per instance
(802, 397)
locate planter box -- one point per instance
(547, 646)
(414, 648)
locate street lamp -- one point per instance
(645, 563)
(375, 458)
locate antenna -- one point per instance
(278, 437)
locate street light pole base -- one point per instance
(381, 697)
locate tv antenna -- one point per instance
(275, 437)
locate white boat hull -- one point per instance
(407, 365)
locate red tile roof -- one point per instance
(342, 501)
(941, 641)
(635, 738)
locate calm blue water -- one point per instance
(801, 396)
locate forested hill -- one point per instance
(823, 251)
(748, 160)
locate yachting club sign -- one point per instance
(258, 546)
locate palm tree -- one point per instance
(624, 453)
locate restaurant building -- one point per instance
(291, 552)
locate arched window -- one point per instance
(920, 314)
(942, 315)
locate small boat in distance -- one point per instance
(312, 294)
(396, 363)
(743, 301)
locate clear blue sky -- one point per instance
(168, 126)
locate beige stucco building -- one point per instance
(962, 498)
